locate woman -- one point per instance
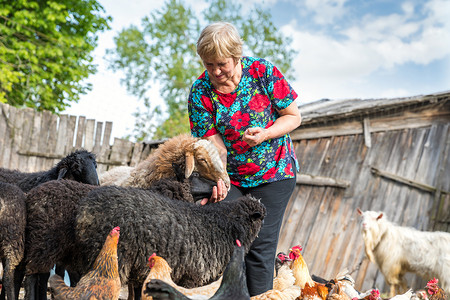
(247, 109)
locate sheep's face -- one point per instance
(207, 162)
(200, 187)
(80, 166)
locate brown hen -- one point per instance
(310, 290)
(102, 282)
(160, 269)
(435, 291)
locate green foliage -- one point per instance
(45, 51)
(163, 52)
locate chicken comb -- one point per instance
(151, 256)
(433, 281)
(298, 247)
(116, 229)
(238, 242)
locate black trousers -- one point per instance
(260, 260)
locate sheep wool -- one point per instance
(197, 241)
(12, 233)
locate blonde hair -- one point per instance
(219, 40)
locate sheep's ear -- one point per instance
(256, 215)
(380, 216)
(190, 164)
(178, 172)
(359, 211)
(62, 173)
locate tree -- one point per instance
(163, 52)
(45, 51)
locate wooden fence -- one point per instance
(33, 141)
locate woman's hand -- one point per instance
(255, 136)
(218, 194)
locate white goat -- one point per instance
(189, 153)
(397, 250)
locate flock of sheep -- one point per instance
(45, 220)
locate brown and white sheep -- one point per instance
(188, 152)
(397, 250)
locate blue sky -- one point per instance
(347, 49)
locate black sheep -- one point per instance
(12, 230)
(52, 207)
(197, 240)
(79, 165)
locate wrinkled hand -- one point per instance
(255, 136)
(218, 194)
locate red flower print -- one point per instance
(211, 132)
(281, 89)
(288, 170)
(270, 123)
(248, 169)
(277, 73)
(232, 134)
(257, 69)
(280, 154)
(203, 75)
(270, 173)
(236, 183)
(207, 103)
(241, 147)
(239, 120)
(259, 102)
(227, 99)
(191, 124)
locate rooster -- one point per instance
(233, 285)
(310, 290)
(435, 291)
(373, 294)
(283, 283)
(160, 269)
(102, 282)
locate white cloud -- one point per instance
(326, 11)
(333, 67)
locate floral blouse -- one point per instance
(261, 92)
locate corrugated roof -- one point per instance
(327, 110)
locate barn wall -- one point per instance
(324, 220)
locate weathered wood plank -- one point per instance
(8, 113)
(27, 125)
(61, 138)
(81, 128)
(89, 135)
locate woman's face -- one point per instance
(220, 70)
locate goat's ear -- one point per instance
(380, 216)
(359, 211)
(62, 173)
(190, 164)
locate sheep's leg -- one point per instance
(130, 291)
(8, 280)
(137, 292)
(42, 284)
(30, 287)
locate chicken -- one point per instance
(435, 291)
(160, 269)
(405, 296)
(373, 294)
(283, 283)
(102, 282)
(233, 285)
(310, 290)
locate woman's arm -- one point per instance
(289, 119)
